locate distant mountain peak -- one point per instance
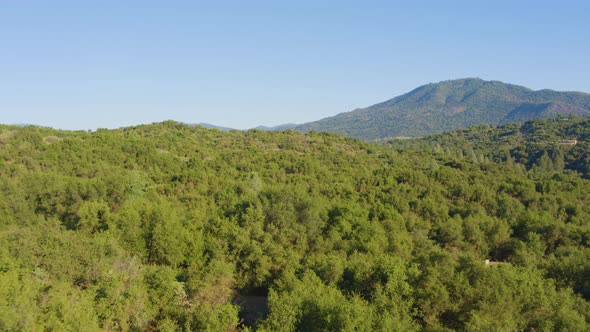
(452, 104)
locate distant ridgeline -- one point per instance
(450, 105)
(171, 227)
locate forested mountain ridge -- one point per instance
(169, 227)
(561, 144)
(450, 105)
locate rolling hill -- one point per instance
(449, 105)
(171, 227)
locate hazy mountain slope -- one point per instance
(212, 126)
(280, 127)
(448, 105)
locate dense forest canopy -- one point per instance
(542, 145)
(169, 227)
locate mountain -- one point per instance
(211, 126)
(265, 128)
(279, 127)
(449, 105)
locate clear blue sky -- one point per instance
(87, 64)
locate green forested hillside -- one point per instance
(451, 105)
(561, 144)
(170, 227)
